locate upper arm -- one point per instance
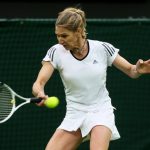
(110, 51)
(122, 64)
(45, 73)
(43, 76)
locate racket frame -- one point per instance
(14, 95)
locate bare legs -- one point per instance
(64, 140)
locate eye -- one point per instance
(63, 36)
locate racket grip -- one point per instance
(35, 100)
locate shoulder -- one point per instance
(103, 46)
(53, 52)
(56, 47)
(96, 43)
(97, 46)
(99, 43)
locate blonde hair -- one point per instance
(72, 19)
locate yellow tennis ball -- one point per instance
(51, 102)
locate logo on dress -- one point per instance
(95, 61)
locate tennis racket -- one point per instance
(8, 102)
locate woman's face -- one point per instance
(69, 39)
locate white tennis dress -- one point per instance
(88, 101)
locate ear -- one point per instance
(80, 30)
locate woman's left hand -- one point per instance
(143, 67)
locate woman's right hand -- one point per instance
(43, 96)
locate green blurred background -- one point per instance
(23, 44)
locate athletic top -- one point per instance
(84, 79)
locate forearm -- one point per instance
(37, 88)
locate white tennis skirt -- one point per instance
(86, 120)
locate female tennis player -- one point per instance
(82, 64)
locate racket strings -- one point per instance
(6, 102)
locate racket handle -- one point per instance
(35, 100)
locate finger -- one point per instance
(141, 61)
(148, 61)
(46, 97)
(40, 103)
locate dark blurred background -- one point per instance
(31, 127)
(94, 9)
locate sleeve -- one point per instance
(111, 52)
(52, 57)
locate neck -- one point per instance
(80, 50)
